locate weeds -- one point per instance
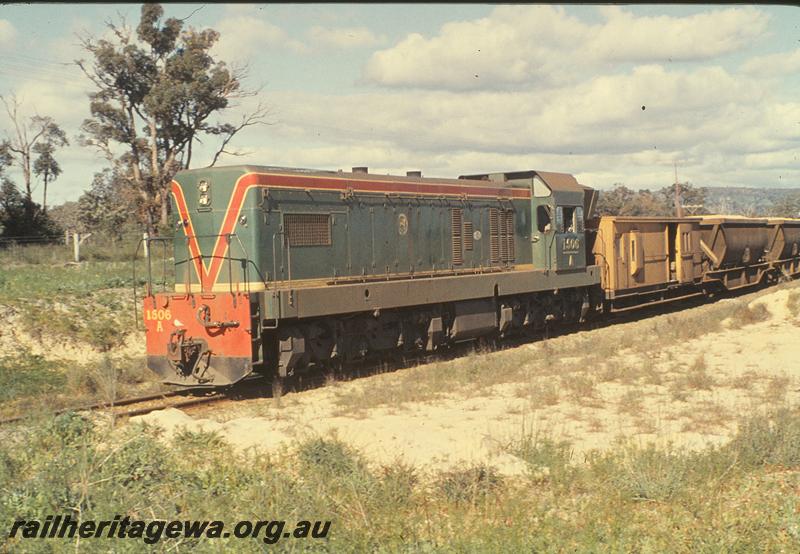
(470, 485)
(649, 474)
(631, 403)
(580, 386)
(26, 375)
(793, 303)
(541, 394)
(540, 452)
(698, 377)
(748, 314)
(768, 440)
(776, 389)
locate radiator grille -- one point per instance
(509, 238)
(494, 235)
(307, 229)
(501, 235)
(456, 218)
(469, 240)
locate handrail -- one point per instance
(149, 285)
(245, 262)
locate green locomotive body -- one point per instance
(286, 269)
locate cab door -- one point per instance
(543, 235)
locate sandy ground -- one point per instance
(751, 368)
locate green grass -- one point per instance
(738, 497)
(54, 281)
(26, 375)
(41, 271)
(31, 384)
(96, 248)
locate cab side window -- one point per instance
(569, 219)
(543, 222)
(565, 219)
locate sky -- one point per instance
(612, 94)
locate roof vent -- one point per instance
(361, 169)
(413, 174)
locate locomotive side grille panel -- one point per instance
(469, 239)
(494, 235)
(503, 220)
(501, 235)
(456, 219)
(509, 238)
(308, 229)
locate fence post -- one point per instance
(146, 236)
(76, 247)
(66, 237)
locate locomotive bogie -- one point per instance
(332, 341)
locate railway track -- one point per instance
(140, 405)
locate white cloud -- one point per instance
(773, 160)
(351, 37)
(779, 64)
(244, 37)
(544, 45)
(8, 34)
(602, 114)
(625, 37)
(707, 119)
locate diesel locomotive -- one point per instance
(279, 270)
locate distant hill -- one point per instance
(747, 200)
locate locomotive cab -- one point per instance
(559, 206)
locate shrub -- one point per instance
(27, 374)
(470, 485)
(764, 439)
(747, 314)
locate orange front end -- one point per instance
(199, 339)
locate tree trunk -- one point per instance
(150, 222)
(44, 198)
(164, 207)
(26, 174)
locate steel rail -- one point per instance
(214, 395)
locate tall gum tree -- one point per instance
(156, 91)
(31, 146)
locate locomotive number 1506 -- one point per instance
(160, 314)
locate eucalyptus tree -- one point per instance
(45, 165)
(30, 146)
(156, 90)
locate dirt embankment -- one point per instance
(50, 338)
